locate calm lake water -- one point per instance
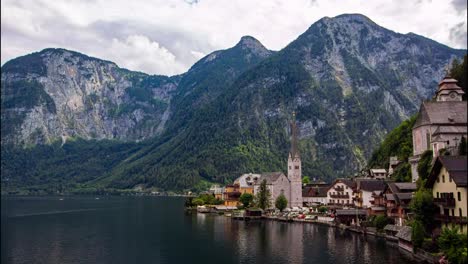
(157, 230)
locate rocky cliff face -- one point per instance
(55, 94)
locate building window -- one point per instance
(437, 194)
(453, 212)
(297, 167)
(450, 178)
(443, 178)
(460, 212)
(290, 167)
(428, 140)
(438, 179)
(459, 197)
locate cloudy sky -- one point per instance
(167, 37)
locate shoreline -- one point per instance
(419, 255)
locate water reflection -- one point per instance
(156, 230)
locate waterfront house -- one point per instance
(366, 190)
(231, 195)
(440, 124)
(448, 181)
(397, 198)
(404, 238)
(340, 193)
(314, 195)
(246, 182)
(217, 191)
(349, 216)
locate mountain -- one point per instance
(349, 80)
(56, 94)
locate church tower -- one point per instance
(295, 168)
(449, 90)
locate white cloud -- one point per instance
(177, 33)
(139, 53)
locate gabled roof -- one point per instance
(404, 233)
(270, 177)
(442, 113)
(370, 185)
(456, 167)
(406, 186)
(347, 182)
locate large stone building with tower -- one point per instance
(291, 185)
(440, 124)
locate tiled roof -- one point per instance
(447, 112)
(404, 233)
(405, 186)
(392, 228)
(371, 185)
(270, 177)
(404, 196)
(456, 167)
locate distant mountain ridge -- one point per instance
(349, 80)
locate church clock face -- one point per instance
(452, 95)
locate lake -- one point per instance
(124, 229)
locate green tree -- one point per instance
(417, 233)
(380, 222)
(263, 196)
(305, 180)
(424, 167)
(322, 209)
(454, 245)
(458, 71)
(281, 202)
(246, 199)
(198, 201)
(462, 149)
(423, 207)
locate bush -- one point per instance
(322, 209)
(198, 201)
(454, 245)
(417, 234)
(380, 222)
(246, 199)
(429, 245)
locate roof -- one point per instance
(347, 182)
(456, 167)
(371, 185)
(404, 233)
(247, 180)
(351, 212)
(378, 208)
(448, 83)
(390, 196)
(392, 228)
(404, 196)
(378, 170)
(440, 113)
(406, 186)
(450, 130)
(270, 177)
(310, 191)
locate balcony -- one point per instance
(342, 196)
(445, 202)
(452, 219)
(357, 199)
(339, 189)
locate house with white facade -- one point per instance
(340, 193)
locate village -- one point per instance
(371, 203)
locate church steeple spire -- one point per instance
(294, 152)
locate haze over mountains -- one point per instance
(349, 80)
